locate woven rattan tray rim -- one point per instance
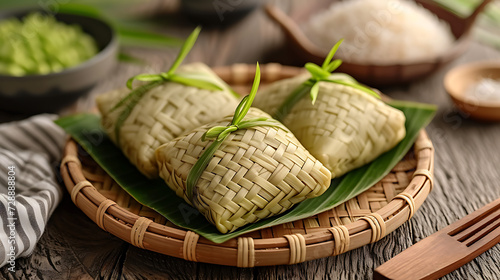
(242, 251)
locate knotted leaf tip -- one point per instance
(185, 49)
(321, 73)
(154, 80)
(324, 72)
(220, 133)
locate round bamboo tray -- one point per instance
(362, 220)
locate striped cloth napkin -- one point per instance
(29, 152)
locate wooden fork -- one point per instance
(447, 249)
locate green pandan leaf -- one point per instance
(86, 130)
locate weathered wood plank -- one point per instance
(466, 167)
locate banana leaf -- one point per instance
(86, 130)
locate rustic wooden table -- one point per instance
(467, 176)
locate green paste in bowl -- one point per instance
(39, 44)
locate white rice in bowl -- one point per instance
(380, 32)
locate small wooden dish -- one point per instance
(373, 74)
(458, 81)
(362, 220)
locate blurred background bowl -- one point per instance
(458, 82)
(373, 74)
(222, 12)
(51, 92)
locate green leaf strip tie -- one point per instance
(321, 73)
(220, 133)
(154, 80)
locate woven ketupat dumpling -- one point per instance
(345, 128)
(162, 114)
(256, 173)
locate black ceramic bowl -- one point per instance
(51, 92)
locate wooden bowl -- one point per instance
(458, 81)
(373, 74)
